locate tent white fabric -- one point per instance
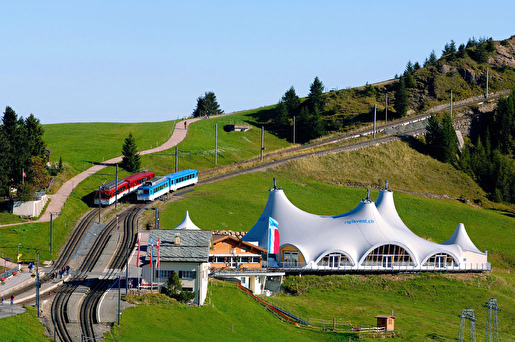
(354, 234)
(187, 223)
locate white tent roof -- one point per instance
(461, 238)
(354, 234)
(187, 223)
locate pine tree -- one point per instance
(291, 102)
(434, 137)
(34, 137)
(401, 102)
(449, 141)
(131, 159)
(316, 101)
(281, 118)
(432, 58)
(207, 105)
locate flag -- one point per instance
(158, 244)
(139, 247)
(151, 254)
(273, 236)
(24, 174)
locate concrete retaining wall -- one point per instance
(30, 208)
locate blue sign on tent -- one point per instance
(7, 259)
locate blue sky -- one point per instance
(133, 61)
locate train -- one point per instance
(148, 186)
(159, 186)
(117, 189)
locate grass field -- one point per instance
(426, 307)
(230, 316)
(81, 144)
(22, 328)
(198, 148)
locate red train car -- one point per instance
(136, 180)
(112, 190)
(109, 190)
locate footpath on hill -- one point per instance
(58, 199)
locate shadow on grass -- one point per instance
(415, 144)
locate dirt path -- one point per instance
(58, 200)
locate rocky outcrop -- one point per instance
(469, 75)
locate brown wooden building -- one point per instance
(386, 321)
(229, 252)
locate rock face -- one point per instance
(468, 75)
(444, 68)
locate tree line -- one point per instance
(308, 115)
(488, 157)
(22, 155)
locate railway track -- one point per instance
(67, 251)
(88, 310)
(297, 152)
(59, 307)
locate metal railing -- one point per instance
(9, 273)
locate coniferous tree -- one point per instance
(449, 142)
(34, 137)
(207, 105)
(316, 101)
(432, 58)
(281, 117)
(131, 159)
(433, 137)
(401, 99)
(504, 125)
(291, 102)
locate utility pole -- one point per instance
(51, 233)
(99, 204)
(37, 281)
(119, 298)
(451, 104)
(262, 138)
(216, 143)
(116, 189)
(375, 112)
(386, 111)
(176, 158)
(293, 130)
(487, 82)
(127, 271)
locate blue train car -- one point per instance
(182, 179)
(159, 186)
(154, 188)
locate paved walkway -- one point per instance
(58, 200)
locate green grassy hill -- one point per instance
(426, 306)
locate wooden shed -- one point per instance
(386, 321)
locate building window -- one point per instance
(440, 260)
(187, 274)
(334, 260)
(388, 256)
(244, 259)
(254, 260)
(291, 258)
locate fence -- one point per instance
(463, 267)
(9, 273)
